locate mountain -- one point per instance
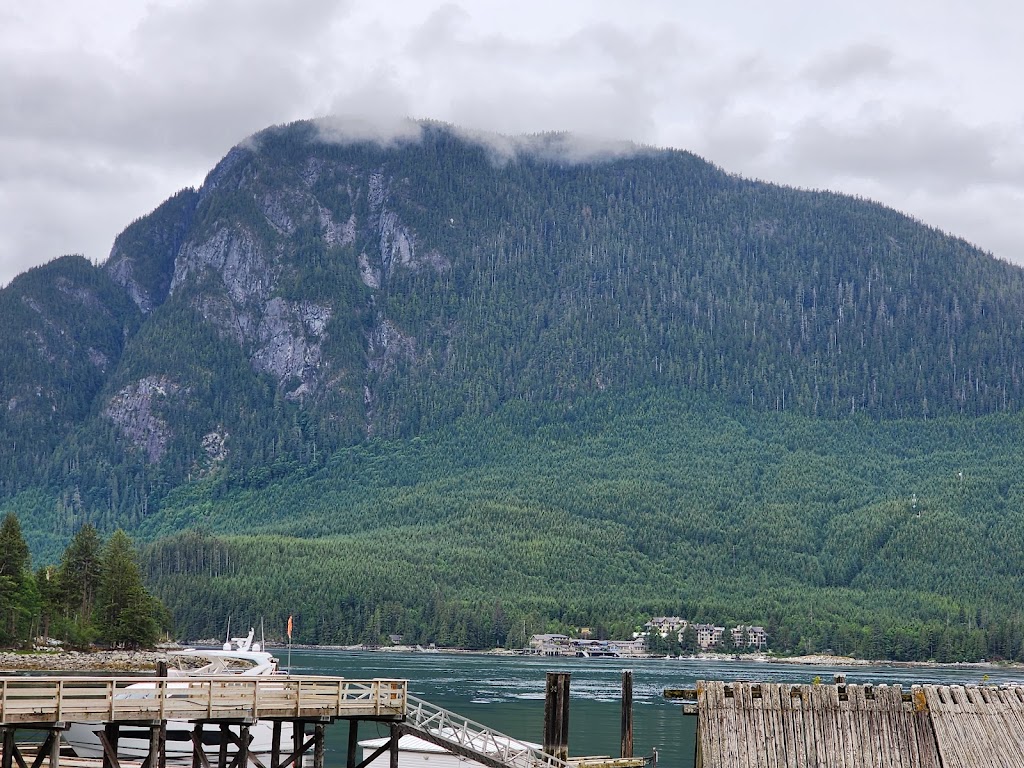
(321, 294)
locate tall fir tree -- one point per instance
(80, 571)
(16, 588)
(126, 612)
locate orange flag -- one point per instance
(289, 626)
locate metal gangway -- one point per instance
(472, 740)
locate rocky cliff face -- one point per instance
(249, 252)
(136, 411)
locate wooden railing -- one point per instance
(43, 700)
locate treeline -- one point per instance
(95, 594)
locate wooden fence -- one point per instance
(773, 725)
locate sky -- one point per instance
(109, 107)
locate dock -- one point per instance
(49, 703)
(232, 704)
(774, 725)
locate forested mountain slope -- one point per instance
(896, 539)
(319, 295)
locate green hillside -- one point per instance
(612, 510)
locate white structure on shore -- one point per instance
(749, 637)
(563, 645)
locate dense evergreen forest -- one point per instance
(95, 594)
(893, 539)
(455, 390)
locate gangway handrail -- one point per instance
(447, 726)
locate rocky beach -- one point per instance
(76, 661)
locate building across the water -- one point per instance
(749, 637)
(563, 645)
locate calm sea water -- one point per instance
(507, 693)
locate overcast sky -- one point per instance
(109, 107)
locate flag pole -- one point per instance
(289, 643)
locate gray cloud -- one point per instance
(856, 62)
(349, 129)
(910, 150)
(108, 108)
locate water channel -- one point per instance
(507, 692)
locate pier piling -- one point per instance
(627, 714)
(556, 715)
(353, 743)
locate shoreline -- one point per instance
(81, 661)
(146, 661)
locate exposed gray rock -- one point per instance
(289, 335)
(134, 411)
(315, 317)
(396, 242)
(275, 206)
(387, 345)
(215, 446)
(369, 273)
(337, 234)
(311, 172)
(229, 321)
(121, 270)
(377, 191)
(235, 257)
(98, 359)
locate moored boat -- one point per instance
(240, 656)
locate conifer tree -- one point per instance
(125, 610)
(80, 571)
(15, 580)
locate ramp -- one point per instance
(472, 740)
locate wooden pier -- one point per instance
(772, 725)
(42, 700)
(48, 704)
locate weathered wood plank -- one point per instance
(924, 730)
(1013, 716)
(841, 712)
(793, 749)
(858, 727)
(767, 705)
(802, 726)
(754, 752)
(729, 734)
(746, 725)
(945, 716)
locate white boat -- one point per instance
(239, 656)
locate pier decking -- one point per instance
(47, 700)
